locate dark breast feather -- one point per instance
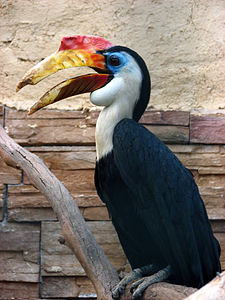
(156, 207)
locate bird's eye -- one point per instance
(114, 60)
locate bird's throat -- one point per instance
(122, 94)
(109, 117)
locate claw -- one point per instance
(136, 284)
(138, 287)
(143, 283)
(120, 287)
(135, 274)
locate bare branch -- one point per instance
(75, 230)
(214, 290)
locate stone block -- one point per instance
(31, 214)
(212, 190)
(67, 157)
(19, 291)
(197, 160)
(26, 196)
(59, 286)
(77, 181)
(170, 134)
(203, 158)
(221, 238)
(214, 199)
(218, 225)
(9, 175)
(58, 259)
(50, 131)
(195, 148)
(67, 287)
(21, 237)
(19, 247)
(166, 118)
(92, 117)
(14, 267)
(207, 129)
(96, 214)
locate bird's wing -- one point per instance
(168, 201)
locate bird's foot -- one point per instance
(138, 287)
(133, 275)
(120, 287)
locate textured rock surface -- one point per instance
(181, 41)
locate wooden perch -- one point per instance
(77, 234)
(214, 290)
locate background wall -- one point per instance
(181, 41)
(34, 263)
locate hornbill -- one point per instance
(151, 197)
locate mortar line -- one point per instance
(3, 117)
(40, 263)
(5, 186)
(5, 204)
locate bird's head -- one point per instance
(120, 70)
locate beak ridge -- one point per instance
(75, 51)
(61, 60)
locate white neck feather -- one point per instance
(109, 117)
(119, 97)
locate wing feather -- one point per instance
(168, 201)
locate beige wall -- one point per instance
(182, 42)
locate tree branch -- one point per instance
(77, 234)
(214, 290)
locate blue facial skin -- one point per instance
(115, 61)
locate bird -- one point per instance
(152, 198)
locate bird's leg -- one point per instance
(141, 284)
(135, 274)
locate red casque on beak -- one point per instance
(74, 51)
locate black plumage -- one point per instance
(155, 207)
(154, 201)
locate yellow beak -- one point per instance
(74, 51)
